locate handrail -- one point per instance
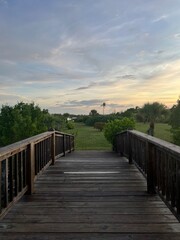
(21, 162)
(158, 160)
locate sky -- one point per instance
(73, 55)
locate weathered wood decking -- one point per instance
(90, 195)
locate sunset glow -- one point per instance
(71, 56)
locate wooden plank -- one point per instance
(93, 205)
(89, 218)
(66, 236)
(120, 185)
(60, 203)
(91, 189)
(85, 227)
(111, 198)
(89, 236)
(80, 210)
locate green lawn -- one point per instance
(161, 131)
(89, 138)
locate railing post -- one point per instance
(150, 156)
(69, 139)
(64, 144)
(6, 182)
(129, 147)
(72, 143)
(178, 188)
(53, 146)
(30, 168)
(0, 187)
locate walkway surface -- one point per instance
(90, 195)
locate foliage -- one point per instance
(81, 118)
(22, 121)
(175, 115)
(58, 121)
(130, 112)
(152, 111)
(91, 120)
(93, 112)
(99, 125)
(176, 135)
(70, 125)
(175, 122)
(116, 126)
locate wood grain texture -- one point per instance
(90, 195)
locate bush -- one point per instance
(99, 125)
(116, 126)
(176, 136)
(70, 125)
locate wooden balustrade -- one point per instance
(158, 160)
(21, 162)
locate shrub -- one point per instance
(116, 126)
(99, 125)
(176, 136)
(70, 125)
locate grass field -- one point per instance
(89, 138)
(161, 130)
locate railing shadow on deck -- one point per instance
(158, 160)
(21, 162)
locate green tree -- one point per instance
(130, 112)
(175, 115)
(93, 112)
(151, 112)
(22, 121)
(175, 122)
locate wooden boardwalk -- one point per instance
(90, 195)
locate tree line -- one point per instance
(25, 120)
(149, 113)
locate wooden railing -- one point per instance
(158, 160)
(21, 162)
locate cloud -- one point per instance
(128, 76)
(117, 55)
(163, 17)
(3, 2)
(177, 35)
(119, 106)
(91, 102)
(10, 99)
(83, 88)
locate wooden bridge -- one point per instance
(90, 194)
